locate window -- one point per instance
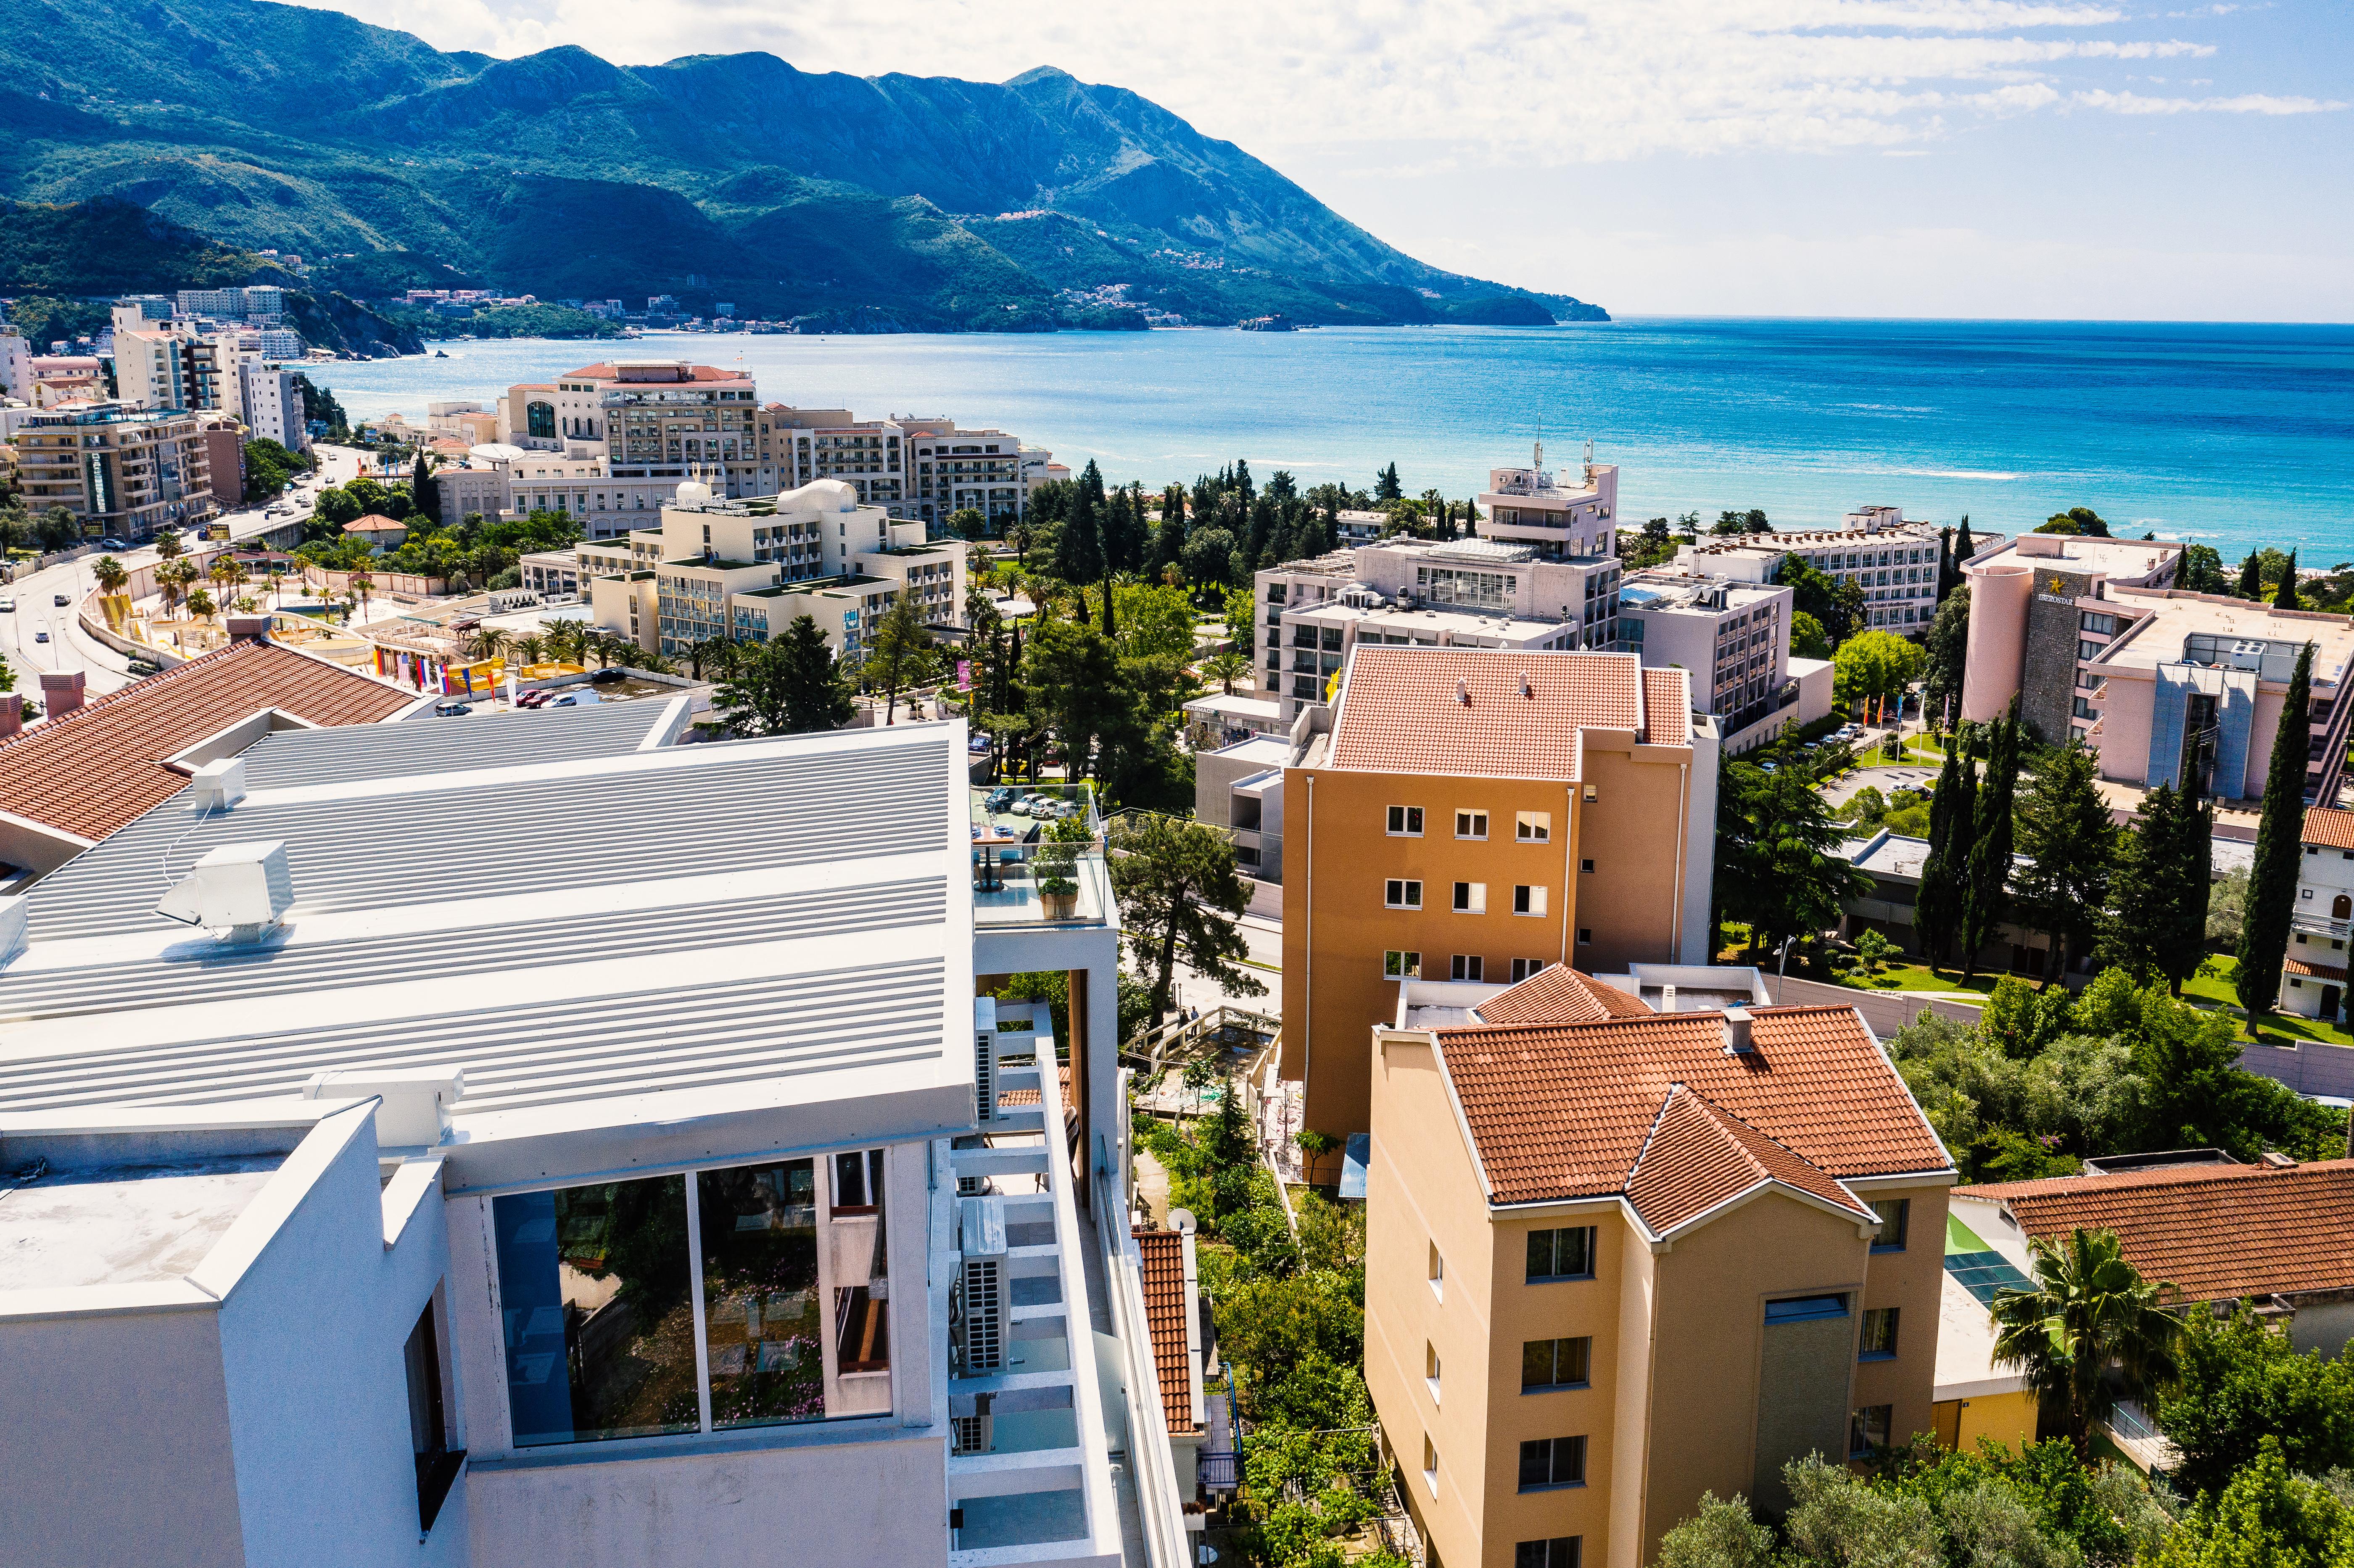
(1550, 1462)
(1867, 1431)
(1879, 1335)
(1405, 821)
(1471, 824)
(1895, 1214)
(1430, 1367)
(1403, 894)
(1566, 1254)
(1396, 965)
(1430, 1464)
(1466, 967)
(1533, 827)
(429, 1427)
(1523, 967)
(1585, 865)
(601, 1285)
(1437, 1273)
(1470, 898)
(1527, 900)
(1548, 1364)
(1804, 1310)
(1561, 1552)
(1585, 936)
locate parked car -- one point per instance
(979, 746)
(452, 710)
(997, 800)
(533, 699)
(580, 697)
(61, 599)
(113, 545)
(40, 637)
(8, 607)
(606, 678)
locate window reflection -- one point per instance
(595, 1289)
(760, 1294)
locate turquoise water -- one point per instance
(2234, 434)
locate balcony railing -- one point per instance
(1023, 873)
(2321, 926)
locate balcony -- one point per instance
(2318, 925)
(1023, 873)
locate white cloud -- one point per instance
(2244, 103)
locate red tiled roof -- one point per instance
(1033, 1097)
(1667, 707)
(1562, 1110)
(1404, 710)
(2297, 965)
(2328, 826)
(1164, 1312)
(95, 770)
(375, 523)
(1698, 1157)
(1559, 994)
(2216, 1231)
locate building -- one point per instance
(15, 363)
(1239, 788)
(2273, 1232)
(62, 378)
(1559, 519)
(2313, 977)
(702, 1189)
(1893, 862)
(1892, 562)
(2172, 687)
(983, 470)
(93, 769)
(1225, 719)
(654, 420)
(1478, 814)
(271, 398)
(223, 441)
(2029, 600)
(1617, 1258)
(260, 301)
(124, 472)
(378, 532)
(1732, 636)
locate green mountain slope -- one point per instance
(897, 201)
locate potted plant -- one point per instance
(1058, 896)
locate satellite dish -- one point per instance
(1182, 1220)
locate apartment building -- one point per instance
(224, 441)
(1617, 1258)
(1733, 636)
(708, 1206)
(173, 368)
(1561, 519)
(124, 472)
(743, 569)
(258, 302)
(15, 363)
(1892, 561)
(272, 402)
(657, 419)
(920, 469)
(1478, 814)
(2028, 600)
(2313, 977)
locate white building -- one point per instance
(2313, 978)
(272, 403)
(1892, 561)
(684, 1207)
(15, 363)
(1735, 638)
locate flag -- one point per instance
(964, 674)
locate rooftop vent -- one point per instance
(1737, 1041)
(1526, 690)
(1463, 692)
(416, 1101)
(218, 785)
(1666, 999)
(243, 889)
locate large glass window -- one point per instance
(1566, 1254)
(599, 1288)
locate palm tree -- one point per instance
(168, 546)
(1225, 668)
(200, 605)
(2090, 1312)
(528, 649)
(490, 641)
(361, 582)
(223, 571)
(109, 573)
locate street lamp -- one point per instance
(1782, 968)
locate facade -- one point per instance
(261, 301)
(727, 1201)
(2313, 976)
(1239, 788)
(15, 363)
(1892, 561)
(224, 441)
(1617, 1258)
(122, 471)
(272, 403)
(1732, 636)
(1478, 814)
(2029, 604)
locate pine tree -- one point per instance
(2070, 846)
(1110, 622)
(2284, 596)
(1387, 486)
(1079, 552)
(2252, 582)
(2157, 918)
(1988, 898)
(1964, 546)
(1947, 575)
(2280, 833)
(1937, 912)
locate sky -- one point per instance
(2073, 159)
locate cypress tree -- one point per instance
(2280, 833)
(2157, 922)
(1964, 546)
(1946, 574)
(2284, 596)
(2070, 847)
(1989, 899)
(1936, 911)
(2251, 583)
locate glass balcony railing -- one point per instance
(1038, 856)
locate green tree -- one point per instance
(424, 490)
(2241, 1382)
(109, 574)
(1874, 668)
(788, 685)
(1225, 668)
(2157, 926)
(2280, 833)
(969, 522)
(2252, 582)
(1947, 650)
(1836, 1523)
(1779, 862)
(1945, 872)
(1988, 900)
(2070, 846)
(1387, 486)
(1807, 638)
(2091, 1311)
(2266, 1518)
(1180, 898)
(2080, 520)
(1719, 1534)
(2284, 595)
(2200, 570)
(898, 652)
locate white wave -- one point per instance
(1956, 474)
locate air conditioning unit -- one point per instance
(244, 889)
(984, 1059)
(981, 1316)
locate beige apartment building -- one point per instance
(1617, 1258)
(122, 471)
(1478, 814)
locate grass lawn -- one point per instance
(2212, 990)
(1911, 977)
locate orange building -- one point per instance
(1478, 814)
(1616, 1258)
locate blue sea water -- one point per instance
(2235, 435)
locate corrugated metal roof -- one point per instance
(290, 757)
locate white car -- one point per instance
(8, 607)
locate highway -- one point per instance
(34, 610)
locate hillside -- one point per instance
(896, 201)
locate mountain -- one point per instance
(919, 203)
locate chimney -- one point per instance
(2277, 1160)
(1462, 691)
(1526, 690)
(1666, 999)
(248, 629)
(61, 691)
(12, 716)
(1737, 1042)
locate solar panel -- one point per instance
(1984, 1273)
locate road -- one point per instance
(35, 612)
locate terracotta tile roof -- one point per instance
(1562, 1110)
(1401, 711)
(2216, 1231)
(1164, 1312)
(94, 771)
(2331, 972)
(1667, 707)
(1032, 1096)
(1698, 1157)
(1559, 994)
(2329, 827)
(375, 523)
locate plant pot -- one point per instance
(1059, 905)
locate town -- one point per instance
(747, 981)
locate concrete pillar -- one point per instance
(61, 691)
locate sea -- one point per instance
(2238, 436)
